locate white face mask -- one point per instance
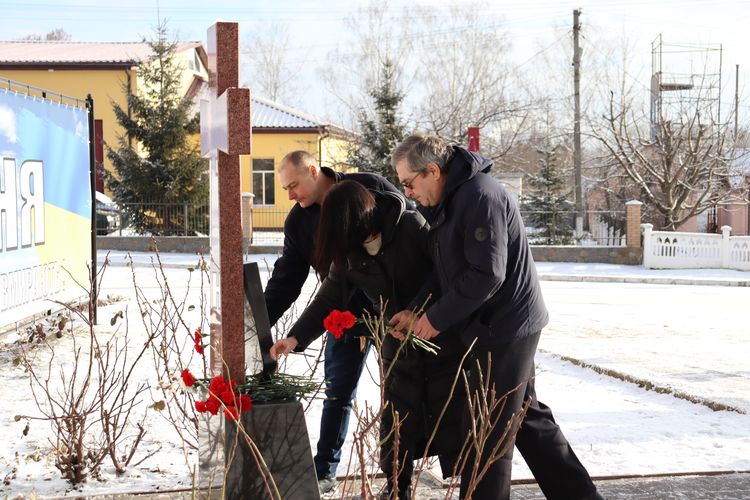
(372, 247)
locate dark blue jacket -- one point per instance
(293, 266)
(487, 283)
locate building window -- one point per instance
(263, 181)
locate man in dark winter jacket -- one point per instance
(487, 291)
(307, 184)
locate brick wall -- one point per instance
(192, 244)
(602, 255)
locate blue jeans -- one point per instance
(342, 366)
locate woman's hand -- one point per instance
(402, 321)
(283, 347)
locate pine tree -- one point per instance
(548, 203)
(157, 161)
(383, 131)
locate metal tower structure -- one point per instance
(685, 81)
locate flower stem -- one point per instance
(424, 344)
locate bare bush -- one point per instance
(87, 401)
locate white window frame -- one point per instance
(259, 199)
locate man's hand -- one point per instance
(402, 321)
(283, 347)
(423, 329)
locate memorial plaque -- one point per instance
(280, 435)
(278, 430)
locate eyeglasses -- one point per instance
(407, 184)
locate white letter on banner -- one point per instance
(31, 175)
(8, 206)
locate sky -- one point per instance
(316, 28)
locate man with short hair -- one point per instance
(486, 288)
(307, 184)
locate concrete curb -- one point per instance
(644, 279)
(165, 265)
(581, 278)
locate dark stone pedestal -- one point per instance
(280, 434)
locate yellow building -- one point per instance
(105, 70)
(277, 130)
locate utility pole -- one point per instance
(577, 121)
(736, 97)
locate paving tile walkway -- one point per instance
(734, 486)
(717, 487)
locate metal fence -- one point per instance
(160, 219)
(602, 228)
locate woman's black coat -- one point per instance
(418, 383)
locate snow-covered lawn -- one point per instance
(690, 338)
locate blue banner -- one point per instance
(45, 204)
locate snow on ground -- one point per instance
(624, 272)
(694, 339)
(691, 338)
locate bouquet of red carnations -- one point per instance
(338, 321)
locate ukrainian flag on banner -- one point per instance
(45, 204)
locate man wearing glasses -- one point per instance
(487, 289)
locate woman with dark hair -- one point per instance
(371, 242)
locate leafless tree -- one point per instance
(547, 80)
(56, 35)
(610, 66)
(466, 74)
(452, 67)
(375, 34)
(271, 72)
(681, 166)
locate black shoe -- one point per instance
(327, 485)
(404, 494)
(595, 496)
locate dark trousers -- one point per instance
(557, 470)
(343, 365)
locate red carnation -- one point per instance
(347, 319)
(213, 405)
(217, 385)
(244, 403)
(198, 344)
(221, 392)
(227, 397)
(337, 321)
(188, 378)
(232, 412)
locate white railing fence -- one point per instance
(672, 250)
